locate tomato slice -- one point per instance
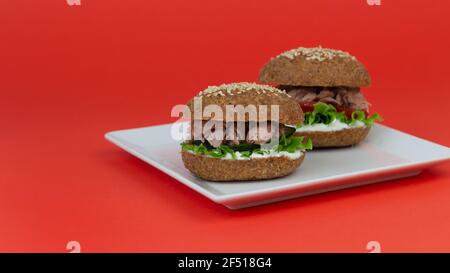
(307, 107)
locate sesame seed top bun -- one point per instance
(315, 66)
(246, 94)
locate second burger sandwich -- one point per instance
(326, 83)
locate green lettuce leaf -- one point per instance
(326, 113)
(289, 144)
(293, 144)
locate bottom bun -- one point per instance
(216, 169)
(340, 138)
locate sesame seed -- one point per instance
(315, 54)
(239, 88)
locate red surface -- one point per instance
(68, 74)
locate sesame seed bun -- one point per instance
(250, 94)
(315, 67)
(340, 138)
(216, 169)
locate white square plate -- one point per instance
(386, 154)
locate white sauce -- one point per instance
(272, 153)
(336, 125)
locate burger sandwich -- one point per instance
(326, 83)
(244, 145)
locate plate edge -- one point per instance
(114, 140)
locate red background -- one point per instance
(68, 74)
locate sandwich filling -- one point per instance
(244, 141)
(332, 108)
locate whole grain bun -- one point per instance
(246, 94)
(340, 138)
(315, 67)
(216, 169)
